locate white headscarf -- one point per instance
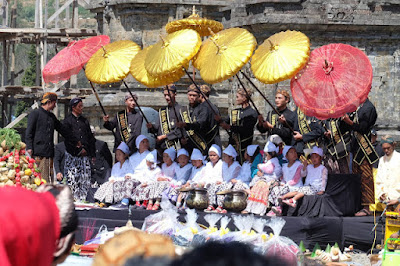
(182, 152)
(196, 155)
(251, 149)
(139, 139)
(152, 157)
(318, 151)
(230, 150)
(276, 139)
(123, 147)
(269, 147)
(215, 148)
(171, 153)
(285, 150)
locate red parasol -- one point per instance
(336, 80)
(70, 60)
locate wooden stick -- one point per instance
(248, 95)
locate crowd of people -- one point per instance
(299, 154)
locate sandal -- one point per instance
(289, 202)
(271, 214)
(156, 206)
(277, 211)
(219, 209)
(149, 206)
(363, 212)
(210, 208)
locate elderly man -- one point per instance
(127, 123)
(387, 185)
(40, 135)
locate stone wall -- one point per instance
(372, 26)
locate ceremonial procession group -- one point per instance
(298, 155)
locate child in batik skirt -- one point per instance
(196, 172)
(230, 171)
(293, 172)
(116, 188)
(147, 177)
(315, 184)
(137, 160)
(269, 172)
(212, 176)
(167, 175)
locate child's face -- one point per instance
(183, 160)
(226, 158)
(213, 157)
(268, 156)
(166, 159)
(197, 163)
(120, 156)
(144, 145)
(316, 159)
(149, 164)
(291, 155)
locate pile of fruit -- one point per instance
(16, 168)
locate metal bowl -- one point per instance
(235, 200)
(197, 199)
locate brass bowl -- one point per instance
(235, 200)
(197, 199)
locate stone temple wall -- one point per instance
(372, 26)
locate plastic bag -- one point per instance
(212, 220)
(191, 227)
(279, 246)
(220, 234)
(244, 224)
(102, 236)
(164, 222)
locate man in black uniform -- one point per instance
(240, 124)
(40, 135)
(80, 150)
(275, 124)
(169, 135)
(127, 124)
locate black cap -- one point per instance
(75, 101)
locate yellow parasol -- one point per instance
(140, 73)
(222, 55)
(195, 22)
(280, 56)
(112, 62)
(172, 52)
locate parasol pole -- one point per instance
(248, 95)
(137, 104)
(202, 94)
(97, 95)
(265, 98)
(173, 107)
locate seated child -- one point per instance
(195, 174)
(147, 178)
(116, 188)
(269, 172)
(182, 174)
(137, 160)
(230, 171)
(291, 179)
(252, 158)
(315, 184)
(167, 174)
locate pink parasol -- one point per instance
(70, 60)
(336, 80)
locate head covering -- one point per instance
(196, 155)
(182, 152)
(215, 148)
(269, 147)
(286, 149)
(152, 157)
(128, 95)
(276, 139)
(373, 132)
(318, 151)
(48, 96)
(123, 147)
(171, 153)
(139, 139)
(205, 89)
(192, 87)
(387, 139)
(251, 149)
(230, 150)
(171, 88)
(31, 232)
(74, 101)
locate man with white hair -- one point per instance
(127, 123)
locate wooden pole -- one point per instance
(75, 16)
(37, 80)
(67, 17)
(37, 14)
(57, 3)
(4, 74)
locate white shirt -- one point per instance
(118, 172)
(230, 172)
(277, 173)
(137, 161)
(196, 174)
(169, 171)
(182, 174)
(212, 173)
(388, 176)
(245, 174)
(289, 173)
(316, 177)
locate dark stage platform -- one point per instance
(343, 230)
